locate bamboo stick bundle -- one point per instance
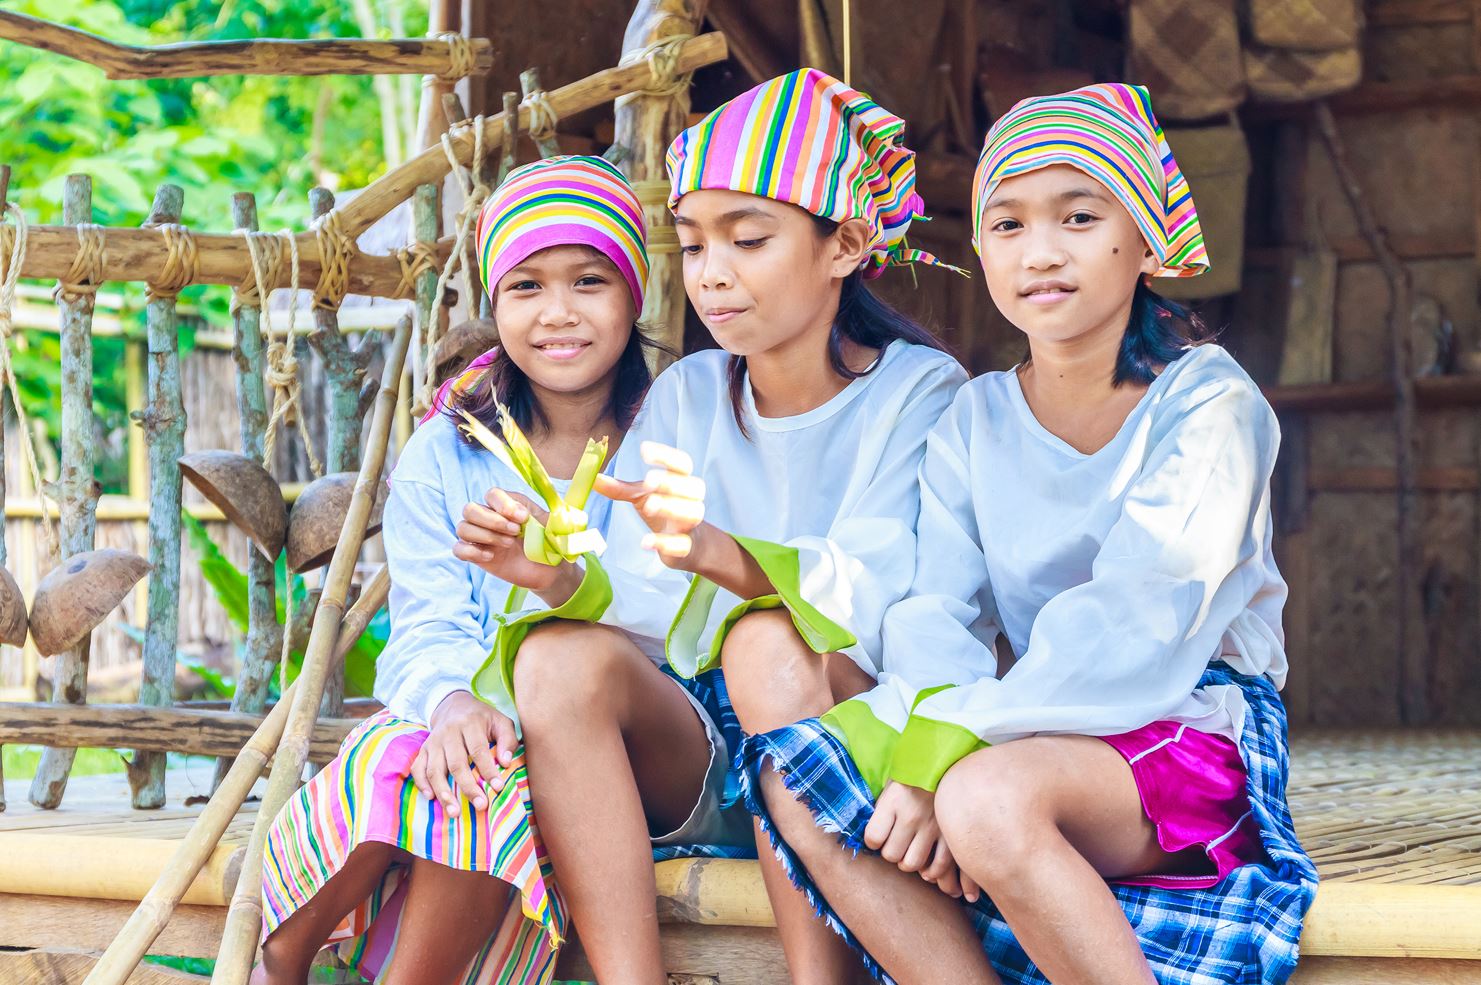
(164, 429)
(244, 919)
(646, 123)
(263, 639)
(158, 905)
(79, 499)
(431, 165)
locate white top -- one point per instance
(836, 485)
(1116, 576)
(444, 611)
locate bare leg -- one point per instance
(449, 914)
(287, 954)
(613, 745)
(774, 679)
(917, 932)
(1040, 824)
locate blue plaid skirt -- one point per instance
(709, 688)
(1245, 930)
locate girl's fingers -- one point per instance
(504, 504)
(901, 837)
(458, 758)
(669, 545)
(688, 513)
(476, 554)
(477, 532)
(950, 884)
(619, 491)
(970, 889)
(668, 483)
(419, 774)
(505, 741)
(877, 832)
(437, 774)
(942, 864)
(483, 754)
(666, 457)
(493, 518)
(918, 855)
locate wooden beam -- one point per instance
(132, 254)
(749, 48)
(1379, 479)
(272, 56)
(1447, 245)
(59, 922)
(91, 866)
(1429, 391)
(431, 165)
(1412, 13)
(1462, 91)
(187, 730)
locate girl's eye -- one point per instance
(692, 250)
(1006, 225)
(524, 285)
(590, 280)
(751, 244)
(1080, 219)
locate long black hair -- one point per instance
(1159, 331)
(862, 318)
(504, 382)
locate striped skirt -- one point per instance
(366, 795)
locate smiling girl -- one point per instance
(778, 517)
(403, 850)
(1111, 796)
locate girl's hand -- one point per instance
(670, 499)
(489, 537)
(903, 830)
(948, 877)
(462, 731)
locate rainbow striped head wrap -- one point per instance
(563, 201)
(1108, 131)
(808, 139)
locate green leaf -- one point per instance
(227, 582)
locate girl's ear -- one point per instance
(850, 245)
(1150, 263)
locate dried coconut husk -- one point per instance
(13, 619)
(318, 516)
(244, 491)
(78, 595)
(462, 344)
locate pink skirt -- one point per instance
(1193, 787)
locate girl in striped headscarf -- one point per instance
(1077, 729)
(403, 850)
(775, 524)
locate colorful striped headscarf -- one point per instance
(810, 140)
(1108, 131)
(563, 201)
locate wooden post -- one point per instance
(264, 641)
(76, 486)
(4, 415)
(244, 919)
(645, 125)
(164, 430)
(426, 218)
(545, 142)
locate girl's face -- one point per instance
(1062, 256)
(757, 270)
(565, 315)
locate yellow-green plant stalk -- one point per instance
(564, 536)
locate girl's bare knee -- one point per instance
(563, 665)
(990, 813)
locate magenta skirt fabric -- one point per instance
(1193, 787)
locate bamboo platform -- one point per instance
(1392, 819)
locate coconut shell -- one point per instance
(78, 595)
(13, 619)
(245, 492)
(462, 344)
(318, 517)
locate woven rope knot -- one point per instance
(459, 56)
(543, 117)
(80, 285)
(263, 245)
(335, 252)
(415, 259)
(662, 57)
(182, 263)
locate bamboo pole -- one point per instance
(135, 253)
(164, 428)
(431, 165)
(244, 919)
(76, 484)
(646, 125)
(154, 911)
(263, 641)
(268, 56)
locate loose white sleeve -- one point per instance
(440, 634)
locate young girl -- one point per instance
(784, 485)
(1103, 512)
(400, 851)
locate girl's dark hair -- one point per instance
(1159, 331)
(862, 318)
(508, 383)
